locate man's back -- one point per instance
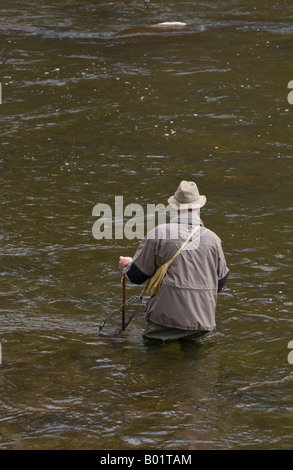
(188, 294)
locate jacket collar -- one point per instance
(187, 218)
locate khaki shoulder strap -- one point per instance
(183, 245)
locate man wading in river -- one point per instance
(185, 303)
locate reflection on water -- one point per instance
(88, 115)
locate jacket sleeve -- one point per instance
(143, 264)
(222, 282)
(134, 274)
(223, 270)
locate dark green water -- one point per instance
(87, 115)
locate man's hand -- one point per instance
(123, 261)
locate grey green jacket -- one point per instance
(188, 295)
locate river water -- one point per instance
(88, 114)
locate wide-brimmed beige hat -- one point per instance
(187, 197)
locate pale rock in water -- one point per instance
(157, 28)
(169, 24)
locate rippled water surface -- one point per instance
(88, 113)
